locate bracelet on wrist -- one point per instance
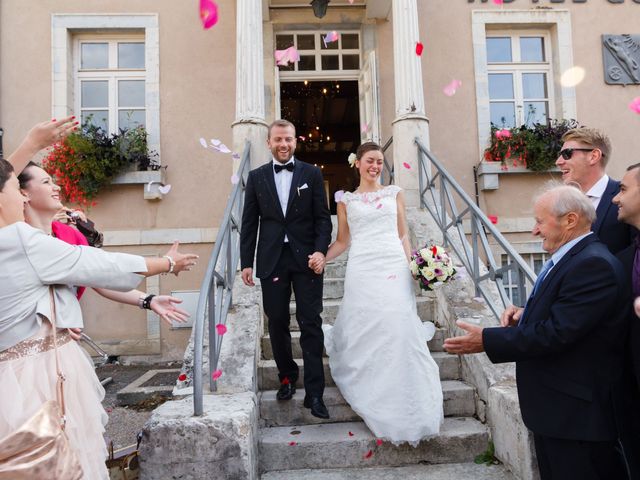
(172, 263)
(141, 300)
(146, 303)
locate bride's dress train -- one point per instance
(377, 348)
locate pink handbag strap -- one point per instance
(60, 375)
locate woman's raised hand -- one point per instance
(47, 133)
(181, 261)
(164, 306)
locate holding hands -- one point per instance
(317, 262)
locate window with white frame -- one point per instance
(110, 76)
(318, 55)
(519, 76)
(511, 279)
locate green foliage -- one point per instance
(488, 456)
(535, 147)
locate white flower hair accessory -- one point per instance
(352, 159)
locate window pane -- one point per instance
(306, 42)
(535, 112)
(351, 62)
(307, 62)
(99, 118)
(94, 55)
(284, 41)
(130, 118)
(498, 49)
(329, 45)
(131, 93)
(500, 85)
(94, 94)
(531, 49)
(350, 40)
(330, 62)
(534, 85)
(503, 115)
(130, 55)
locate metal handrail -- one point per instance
(386, 168)
(441, 195)
(217, 285)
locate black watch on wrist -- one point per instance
(146, 303)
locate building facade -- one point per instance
(150, 62)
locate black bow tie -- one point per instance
(287, 166)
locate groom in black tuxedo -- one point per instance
(286, 205)
(568, 345)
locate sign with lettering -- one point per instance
(621, 54)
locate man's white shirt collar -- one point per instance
(599, 187)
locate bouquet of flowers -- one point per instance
(430, 265)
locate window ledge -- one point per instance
(489, 173)
(151, 179)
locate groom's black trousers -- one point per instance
(276, 295)
(560, 459)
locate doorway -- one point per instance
(327, 119)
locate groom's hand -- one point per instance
(317, 262)
(511, 316)
(469, 343)
(247, 277)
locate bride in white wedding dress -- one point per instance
(377, 348)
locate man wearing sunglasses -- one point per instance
(582, 161)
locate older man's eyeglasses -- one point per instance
(567, 153)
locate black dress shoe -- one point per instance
(317, 406)
(286, 390)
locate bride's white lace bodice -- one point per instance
(373, 216)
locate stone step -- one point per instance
(332, 288)
(329, 445)
(335, 269)
(435, 344)
(447, 471)
(268, 373)
(331, 307)
(458, 401)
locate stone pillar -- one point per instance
(411, 120)
(250, 122)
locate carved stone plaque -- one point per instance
(621, 55)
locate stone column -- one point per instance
(411, 120)
(250, 122)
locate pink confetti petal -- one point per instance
(493, 219)
(350, 434)
(216, 374)
(369, 454)
(419, 48)
(302, 137)
(365, 128)
(221, 329)
(287, 56)
(378, 441)
(451, 88)
(275, 279)
(634, 106)
(182, 377)
(498, 2)
(203, 142)
(235, 179)
(502, 134)
(338, 195)
(392, 277)
(379, 206)
(406, 165)
(351, 2)
(108, 409)
(164, 189)
(208, 13)
(292, 444)
(330, 37)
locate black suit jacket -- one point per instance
(307, 223)
(568, 348)
(626, 257)
(614, 234)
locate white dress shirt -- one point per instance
(283, 181)
(31, 261)
(595, 193)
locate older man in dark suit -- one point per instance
(567, 343)
(582, 161)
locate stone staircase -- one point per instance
(294, 444)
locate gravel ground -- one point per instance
(125, 422)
